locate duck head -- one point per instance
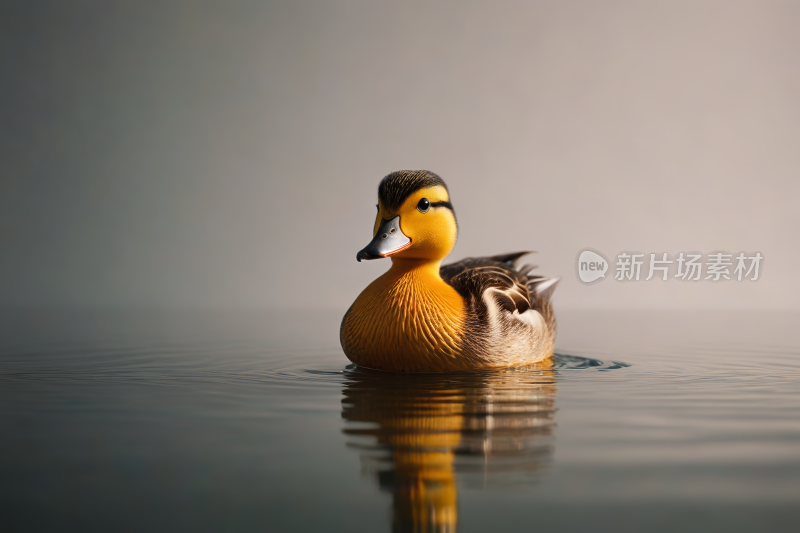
(415, 219)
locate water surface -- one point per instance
(247, 420)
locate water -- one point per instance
(253, 421)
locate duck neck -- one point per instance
(423, 268)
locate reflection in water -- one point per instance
(423, 430)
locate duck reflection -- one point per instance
(418, 433)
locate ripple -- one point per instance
(231, 363)
(299, 374)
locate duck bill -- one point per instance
(389, 240)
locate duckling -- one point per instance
(420, 316)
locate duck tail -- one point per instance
(543, 288)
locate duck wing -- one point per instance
(514, 288)
(509, 319)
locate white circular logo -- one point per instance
(591, 266)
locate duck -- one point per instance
(421, 316)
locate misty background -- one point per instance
(227, 154)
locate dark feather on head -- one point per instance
(397, 186)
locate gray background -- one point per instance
(227, 154)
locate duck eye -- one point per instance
(423, 206)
